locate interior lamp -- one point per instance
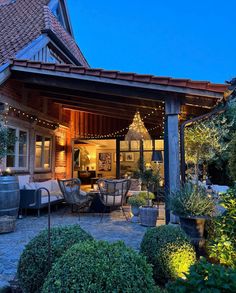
(156, 155)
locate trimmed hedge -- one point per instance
(206, 277)
(33, 264)
(170, 252)
(97, 266)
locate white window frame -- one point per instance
(16, 150)
(42, 157)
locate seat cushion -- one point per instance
(55, 186)
(30, 186)
(23, 180)
(53, 198)
(45, 184)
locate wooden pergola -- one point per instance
(118, 95)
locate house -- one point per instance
(60, 108)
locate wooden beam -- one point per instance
(112, 114)
(98, 83)
(126, 110)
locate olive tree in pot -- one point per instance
(193, 206)
(9, 186)
(136, 202)
(149, 213)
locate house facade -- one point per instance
(57, 105)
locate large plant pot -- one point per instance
(194, 227)
(9, 202)
(135, 212)
(148, 216)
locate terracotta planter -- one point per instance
(148, 216)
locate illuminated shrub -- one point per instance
(221, 245)
(205, 277)
(98, 266)
(33, 264)
(170, 252)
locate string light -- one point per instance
(27, 115)
(121, 132)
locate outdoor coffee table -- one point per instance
(97, 206)
(93, 181)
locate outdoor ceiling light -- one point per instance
(137, 129)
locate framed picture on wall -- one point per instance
(129, 157)
(121, 157)
(104, 161)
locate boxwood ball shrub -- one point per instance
(170, 252)
(33, 264)
(206, 277)
(98, 266)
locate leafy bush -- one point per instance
(169, 250)
(232, 157)
(136, 201)
(205, 277)
(33, 264)
(144, 195)
(97, 266)
(222, 244)
(191, 200)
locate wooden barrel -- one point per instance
(9, 196)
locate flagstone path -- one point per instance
(113, 227)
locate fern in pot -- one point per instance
(193, 206)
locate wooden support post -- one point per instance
(117, 158)
(171, 147)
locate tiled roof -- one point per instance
(186, 83)
(51, 23)
(22, 21)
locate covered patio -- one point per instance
(100, 104)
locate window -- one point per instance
(17, 156)
(43, 152)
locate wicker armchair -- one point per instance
(113, 193)
(73, 195)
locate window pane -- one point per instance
(38, 151)
(147, 145)
(22, 161)
(11, 150)
(10, 161)
(47, 147)
(23, 143)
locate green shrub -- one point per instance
(205, 277)
(169, 250)
(33, 264)
(222, 243)
(97, 266)
(136, 201)
(191, 200)
(232, 157)
(145, 196)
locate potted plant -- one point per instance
(9, 186)
(136, 202)
(193, 206)
(149, 213)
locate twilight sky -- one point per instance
(181, 39)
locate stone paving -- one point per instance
(113, 227)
